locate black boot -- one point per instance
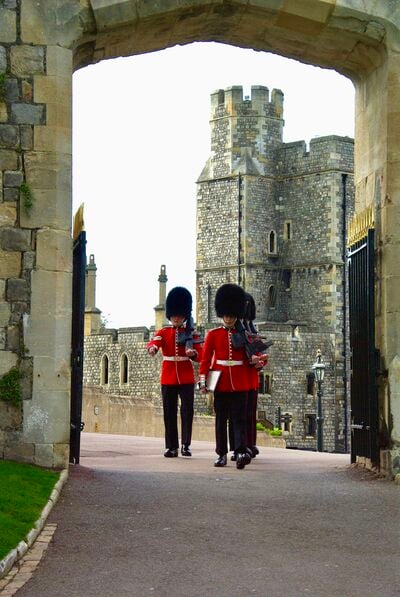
(221, 460)
(234, 457)
(186, 451)
(255, 451)
(171, 453)
(241, 460)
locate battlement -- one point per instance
(259, 100)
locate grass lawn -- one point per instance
(24, 492)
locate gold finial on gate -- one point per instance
(360, 224)
(79, 223)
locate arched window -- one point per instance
(124, 367)
(272, 242)
(286, 422)
(271, 296)
(310, 383)
(104, 370)
(287, 230)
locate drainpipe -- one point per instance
(345, 308)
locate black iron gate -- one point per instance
(364, 395)
(77, 336)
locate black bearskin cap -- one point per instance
(178, 302)
(230, 300)
(250, 308)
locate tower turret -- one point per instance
(160, 318)
(92, 313)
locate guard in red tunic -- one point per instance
(179, 346)
(223, 353)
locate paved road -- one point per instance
(132, 523)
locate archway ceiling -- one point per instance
(336, 34)
(347, 35)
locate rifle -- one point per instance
(186, 337)
(249, 338)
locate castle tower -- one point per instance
(92, 313)
(160, 319)
(235, 193)
(271, 217)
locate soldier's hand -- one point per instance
(190, 352)
(152, 351)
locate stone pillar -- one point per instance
(35, 230)
(377, 167)
(160, 319)
(92, 313)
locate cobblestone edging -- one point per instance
(16, 554)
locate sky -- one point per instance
(141, 137)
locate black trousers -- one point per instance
(230, 405)
(170, 407)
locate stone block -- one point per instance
(17, 290)
(52, 89)
(8, 215)
(3, 59)
(46, 407)
(26, 60)
(10, 264)
(7, 361)
(53, 138)
(3, 112)
(2, 341)
(2, 290)
(20, 451)
(13, 338)
(54, 250)
(48, 171)
(26, 133)
(12, 90)
(13, 178)
(60, 455)
(44, 455)
(28, 260)
(27, 91)
(10, 416)
(9, 137)
(51, 208)
(27, 114)
(8, 25)
(51, 374)
(8, 159)
(59, 61)
(48, 329)
(59, 115)
(11, 195)
(15, 239)
(5, 313)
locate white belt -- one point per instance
(229, 363)
(176, 359)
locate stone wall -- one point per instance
(143, 372)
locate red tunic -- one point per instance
(218, 347)
(176, 367)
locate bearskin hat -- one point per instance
(230, 300)
(178, 302)
(250, 308)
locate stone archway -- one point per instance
(40, 45)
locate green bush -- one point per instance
(10, 387)
(276, 432)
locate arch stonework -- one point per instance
(41, 43)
